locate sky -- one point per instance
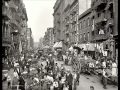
(40, 16)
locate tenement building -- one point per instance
(48, 39)
(66, 13)
(14, 14)
(104, 29)
(85, 31)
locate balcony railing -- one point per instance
(12, 5)
(6, 12)
(6, 40)
(74, 19)
(110, 1)
(15, 24)
(100, 37)
(101, 19)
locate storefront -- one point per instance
(58, 47)
(89, 49)
(109, 47)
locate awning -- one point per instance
(55, 44)
(82, 46)
(89, 47)
(58, 45)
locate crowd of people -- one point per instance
(55, 77)
(51, 76)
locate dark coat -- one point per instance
(69, 79)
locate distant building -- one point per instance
(85, 27)
(41, 43)
(48, 39)
(36, 45)
(66, 13)
(29, 39)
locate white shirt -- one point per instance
(55, 84)
(75, 76)
(8, 78)
(90, 64)
(104, 64)
(63, 80)
(114, 69)
(50, 78)
(104, 73)
(97, 62)
(15, 74)
(66, 88)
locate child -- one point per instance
(65, 87)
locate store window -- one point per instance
(84, 23)
(88, 21)
(80, 25)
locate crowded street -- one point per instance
(59, 45)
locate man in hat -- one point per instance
(104, 78)
(21, 83)
(69, 79)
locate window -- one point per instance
(88, 22)
(111, 14)
(80, 25)
(84, 24)
(80, 36)
(88, 36)
(84, 36)
(92, 33)
(98, 15)
(92, 20)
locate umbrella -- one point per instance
(76, 47)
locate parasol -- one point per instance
(76, 47)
